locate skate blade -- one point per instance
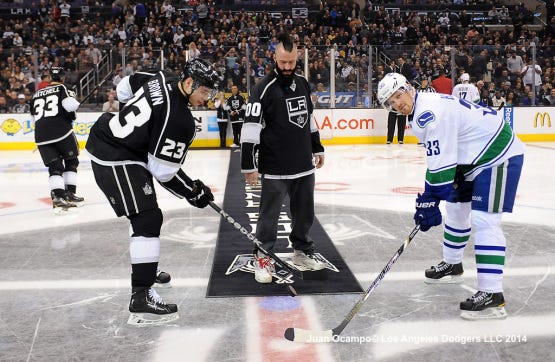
(149, 319)
(61, 211)
(162, 285)
(79, 204)
(450, 279)
(488, 313)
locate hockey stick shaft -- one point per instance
(337, 330)
(297, 273)
(301, 335)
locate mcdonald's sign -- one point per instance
(542, 117)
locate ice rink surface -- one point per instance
(64, 280)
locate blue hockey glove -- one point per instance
(427, 212)
(200, 195)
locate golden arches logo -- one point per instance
(542, 118)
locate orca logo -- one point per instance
(425, 118)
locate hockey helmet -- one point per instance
(391, 83)
(203, 74)
(57, 74)
(465, 77)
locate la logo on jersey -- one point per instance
(297, 109)
(425, 118)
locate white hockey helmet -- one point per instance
(391, 83)
(465, 77)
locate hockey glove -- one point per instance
(200, 195)
(427, 212)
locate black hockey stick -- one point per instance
(292, 271)
(308, 336)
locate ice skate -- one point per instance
(483, 305)
(74, 199)
(61, 206)
(307, 260)
(444, 273)
(147, 308)
(162, 279)
(263, 268)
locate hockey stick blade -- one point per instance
(311, 336)
(295, 272)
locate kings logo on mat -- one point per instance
(245, 263)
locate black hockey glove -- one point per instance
(427, 212)
(200, 195)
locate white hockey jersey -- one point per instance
(467, 91)
(457, 132)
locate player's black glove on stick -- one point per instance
(200, 195)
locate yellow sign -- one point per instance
(10, 126)
(542, 117)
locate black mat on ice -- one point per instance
(232, 270)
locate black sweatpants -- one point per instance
(301, 196)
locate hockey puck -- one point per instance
(292, 292)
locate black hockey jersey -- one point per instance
(155, 129)
(279, 121)
(52, 109)
(236, 103)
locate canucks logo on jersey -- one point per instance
(425, 118)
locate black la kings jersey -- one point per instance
(279, 121)
(236, 103)
(154, 129)
(52, 110)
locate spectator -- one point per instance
(498, 100)
(530, 99)
(4, 107)
(532, 75)
(514, 65)
(96, 98)
(511, 100)
(65, 10)
(548, 100)
(45, 80)
(478, 67)
(94, 54)
(193, 51)
(111, 105)
(84, 63)
(22, 106)
(405, 68)
(119, 76)
(442, 84)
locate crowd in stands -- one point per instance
(418, 44)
